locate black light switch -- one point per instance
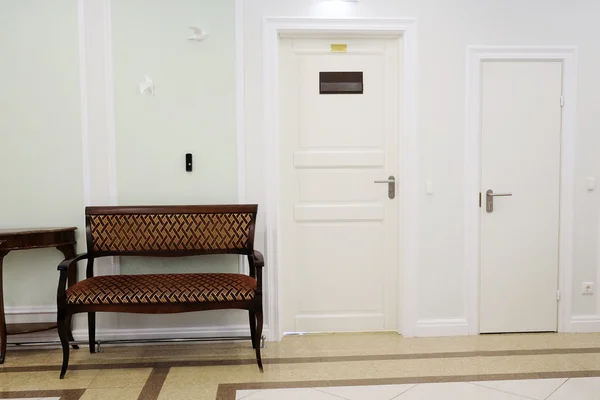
(188, 162)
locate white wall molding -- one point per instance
(441, 327)
(584, 324)
(475, 56)
(30, 314)
(409, 167)
(20, 310)
(240, 97)
(97, 110)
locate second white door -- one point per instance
(339, 229)
(521, 153)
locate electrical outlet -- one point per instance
(587, 288)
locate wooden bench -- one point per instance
(163, 231)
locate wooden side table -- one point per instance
(24, 239)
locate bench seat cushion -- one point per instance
(162, 289)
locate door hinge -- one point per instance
(479, 199)
(558, 295)
(562, 101)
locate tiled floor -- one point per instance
(350, 366)
(536, 389)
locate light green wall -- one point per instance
(41, 181)
(192, 111)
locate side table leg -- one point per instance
(69, 252)
(3, 334)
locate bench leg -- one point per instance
(71, 338)
(63, 333)
(252, 320)
(92, 331)
(257, 338)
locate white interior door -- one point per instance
(521, 150)
(339, 230)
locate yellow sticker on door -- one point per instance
(339, 48)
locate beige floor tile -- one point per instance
(108, 353)
(47, 380)
(525, 364)
(121, 378)
(107, 394)
(17, 358)
(192, 392)
(425, 367)
(558, 341)
(185, 376)
(463, 343)
(587, 361)
(105, 361)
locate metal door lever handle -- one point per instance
(489, 199)
(391, 182)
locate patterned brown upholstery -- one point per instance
(131, 233)
(162, 289)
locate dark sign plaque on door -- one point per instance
(341, 83)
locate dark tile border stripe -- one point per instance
(228, 391)
(74, 394)
(154, 384)
(306, 360)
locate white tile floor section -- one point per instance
(540, 389)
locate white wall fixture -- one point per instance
(147, 85)
(198, 35)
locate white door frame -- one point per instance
(475, 56)
(408, 168)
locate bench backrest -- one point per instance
(170, 231)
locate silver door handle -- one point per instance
(489, 199)
(391, 182)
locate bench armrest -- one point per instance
(256, 259)
(64, 266)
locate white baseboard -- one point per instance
(30, 314)
(441, 327)
(30, 310)
(585, 324)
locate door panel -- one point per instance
(339, 229)
(521, 142)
